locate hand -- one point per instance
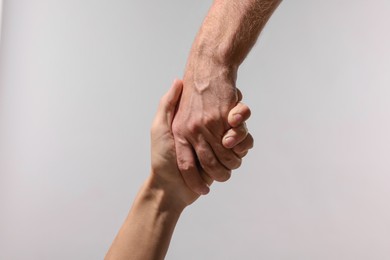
(201, 120)
(165, 172)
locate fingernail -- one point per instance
(229, 141)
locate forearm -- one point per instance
(228, 33)
(148, 229)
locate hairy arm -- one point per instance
(227, 34)
(230, 30)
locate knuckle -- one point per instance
(210, 165)
(176, 127)
(232, 161)
(243, 154)
(184, 165)
(210, 121)
(226, 156)
(213, 167)
(242, 130)
(194, 127)
(243, 148)
(245, 111)
(237, 164)
(186, 168)
(207, 160)
(239, 149)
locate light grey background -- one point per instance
(79, 85)
(1, 12)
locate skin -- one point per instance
(226, 36)
(147, 230)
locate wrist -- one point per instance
(204, 71)
(162, 196)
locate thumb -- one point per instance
(169, 102)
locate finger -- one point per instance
(242, 148)
(169, 102)
(226, 156)
(239, 95)
(206, 178)
(238, 114)
(243, 154)
(188, 167)
(209, 162)
(235, 136)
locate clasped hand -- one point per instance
(165, 172)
